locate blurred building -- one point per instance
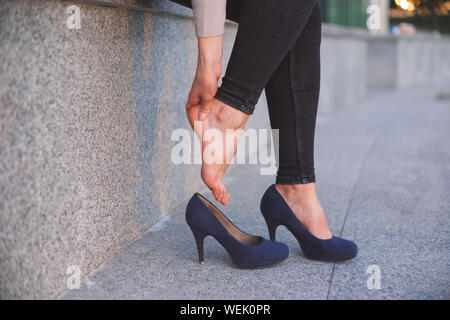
(424, 16)
(355, 13)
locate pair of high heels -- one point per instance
(249, 251)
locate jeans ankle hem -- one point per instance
(220, 95)
(295, 180)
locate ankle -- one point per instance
(224, 113)
(221, 113)
(300, 191)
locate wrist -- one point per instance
(210, 51)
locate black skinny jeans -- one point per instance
(277, 48)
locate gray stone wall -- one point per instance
(85, 123)
(343, 67)
(400, 62)
(86, 118)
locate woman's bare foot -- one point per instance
(303, 201)
(220, 134)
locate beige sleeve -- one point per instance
(209, 16)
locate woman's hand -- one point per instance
(204, 87)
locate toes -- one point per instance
(217, 187)
(227, 197)
(216, 192)
(222, 193)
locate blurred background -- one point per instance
(423, 15)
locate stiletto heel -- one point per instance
(272, 226)
(277, 212)
(246, 251)
(200, 240)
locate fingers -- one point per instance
(191, 101)
(192, 107)
(227, 197)
(198, 107)
(201, 95)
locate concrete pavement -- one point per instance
(384, 181)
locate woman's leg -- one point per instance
(278, 47)
(267, 31)
(293, 95)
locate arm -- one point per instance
(209, 18)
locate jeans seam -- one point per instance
(298, 130)
(258, 86)
(308, 90)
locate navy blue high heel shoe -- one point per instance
(277, 212)
(246, 251)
